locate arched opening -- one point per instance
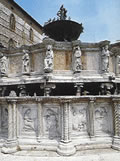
(11, 44)
(31, 34)
(12, 22)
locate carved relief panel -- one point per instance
(28, 119)
(51, 121)
(79, 118)
(4, 120)
(103, 119)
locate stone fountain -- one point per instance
(61, 95)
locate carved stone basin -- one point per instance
(62, 30)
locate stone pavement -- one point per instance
(88, 155)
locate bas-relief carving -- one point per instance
(3, 121)
(103, 118)
(79, 118)
(51, 122)
(4, 118)
(28, 120)
(62, 60)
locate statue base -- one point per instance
(11, 146)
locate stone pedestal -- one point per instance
(66, 147)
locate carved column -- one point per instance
(40, 122)
(66, 134)
(11, 144)
(14, 119)
(116, 141)
(10, 123)
(66, 147)
(91, 116)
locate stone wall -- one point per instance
(23, 24)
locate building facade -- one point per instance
(17, 27)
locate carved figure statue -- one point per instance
(62, 13)
(118, 64)
(77, 65)
(28, 121)
(3, 65)
(26, 62)
(48, 61)
(105, 59)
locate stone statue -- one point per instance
(12, 94)
(118, 64)
(3, 65)
(26, 62)
(62, 13)
(48, 61)
(105, 59)
(77, 65)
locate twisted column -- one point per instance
(117, 119)
(116, 140)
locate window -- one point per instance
(12, 22)
(31, 34)
(11, 44)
